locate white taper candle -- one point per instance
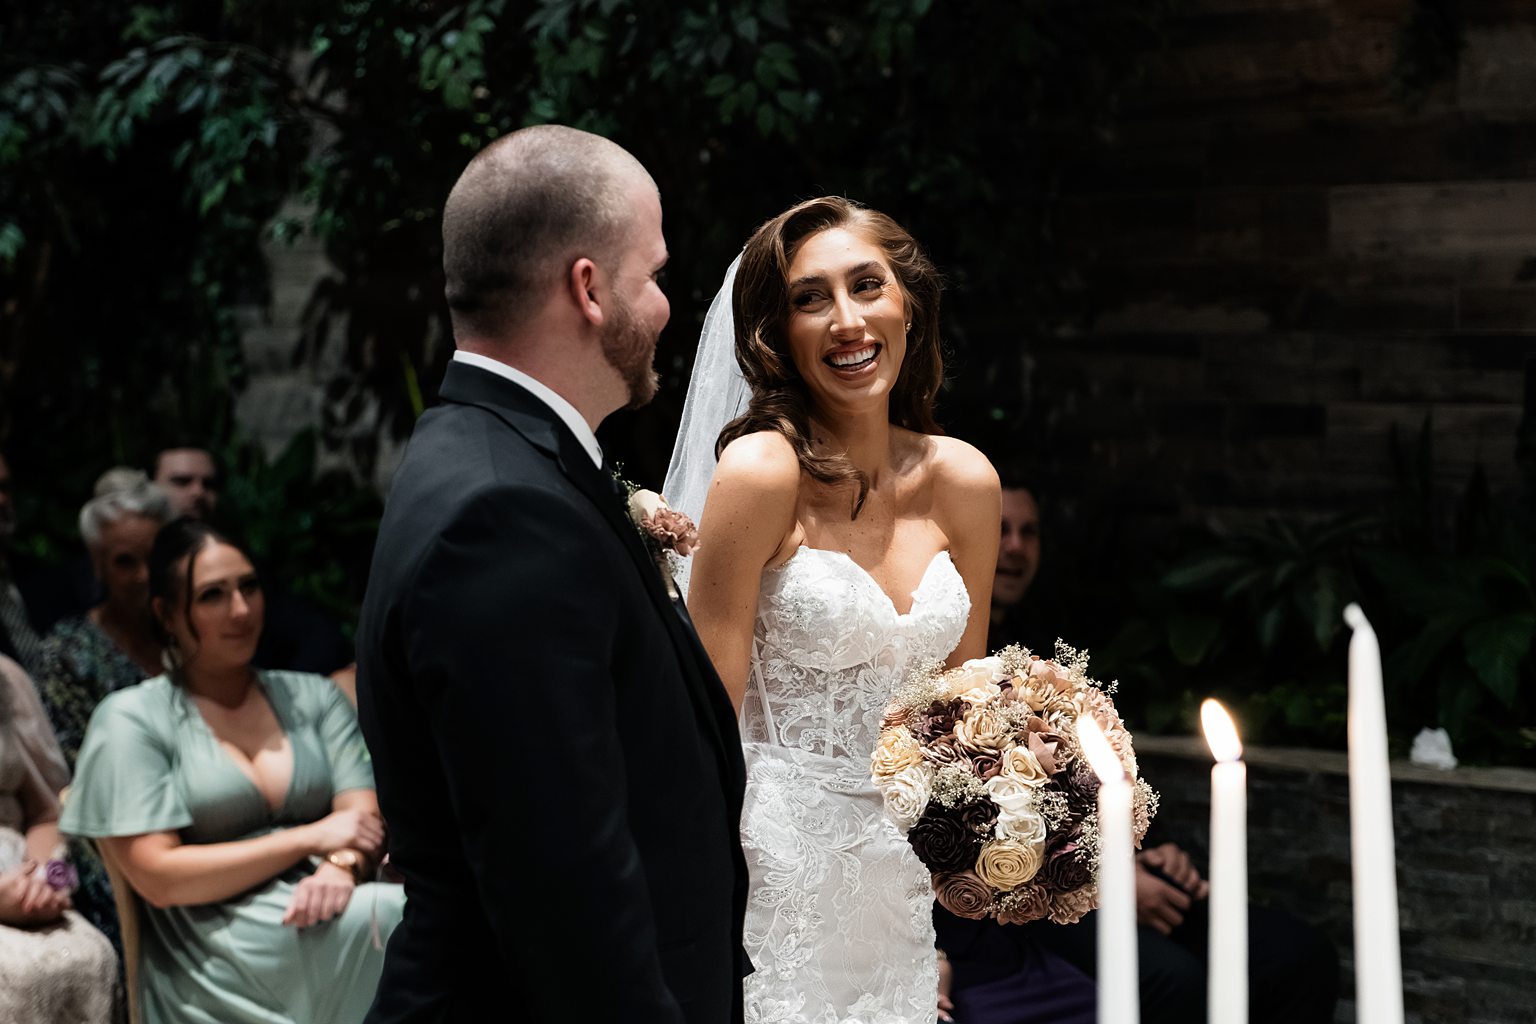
(1227, 970)
(1378, 967)
(1117, 973)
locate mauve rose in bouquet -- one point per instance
(979, 767)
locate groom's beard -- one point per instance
(631, 349)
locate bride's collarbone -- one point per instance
(895, 552)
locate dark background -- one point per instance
(1247, 287)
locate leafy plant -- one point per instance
(315, 535)
(1255, 616)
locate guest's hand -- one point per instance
(26, 900)
(1176, 865)
(319, 897)
(347, 830)
(946, 982)
(1159, 904)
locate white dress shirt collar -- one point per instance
(565, 410)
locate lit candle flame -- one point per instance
(1220, 732)
(1095, 745)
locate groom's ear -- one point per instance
(585, 285)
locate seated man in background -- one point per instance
(189, 476)
(1293, 970)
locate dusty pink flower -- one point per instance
(1069, 907)
(985, 765)
(1043, 743)
(963, 894)
(669, 528)
(673, 531)
(1026, 903)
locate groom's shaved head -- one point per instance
(527, 207)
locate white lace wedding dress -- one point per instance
(839, 918)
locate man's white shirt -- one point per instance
(565, 410)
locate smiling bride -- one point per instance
(843, 543)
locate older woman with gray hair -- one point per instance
(113, 645)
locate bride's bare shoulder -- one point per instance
(763, 461)
(751, 501)
(960, 466)
(953, 465)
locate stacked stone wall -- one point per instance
(1466, 867)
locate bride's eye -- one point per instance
(869, 285)
(801, 300)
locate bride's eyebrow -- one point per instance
(862, 268)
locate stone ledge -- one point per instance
(1334, 762)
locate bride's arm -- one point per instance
(969, 500)
(748, 518)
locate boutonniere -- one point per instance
(667, 528)
(664, 529)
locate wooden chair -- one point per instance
(129, 922)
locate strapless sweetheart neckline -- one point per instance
(869, 577)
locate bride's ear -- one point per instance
(585, 286)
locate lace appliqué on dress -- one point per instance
(839, 918)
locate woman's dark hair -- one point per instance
(181, 539)
(761, 298)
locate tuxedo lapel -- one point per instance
(535, 421)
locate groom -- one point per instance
(556, 759)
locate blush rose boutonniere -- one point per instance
(666, 531)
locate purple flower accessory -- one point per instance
(60, 875)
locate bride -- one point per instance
(844, 544)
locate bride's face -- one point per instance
(847, 320)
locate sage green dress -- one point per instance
(150, 763)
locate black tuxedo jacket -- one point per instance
(556, 759)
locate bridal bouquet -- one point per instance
(980, 767)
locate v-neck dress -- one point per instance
(150, 763)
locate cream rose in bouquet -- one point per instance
(979, 768)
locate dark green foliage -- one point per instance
(146, 151)
(1255, 617)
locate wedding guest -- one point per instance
(18, 633)
(115, 644)
(189, 475)
(1017, 615)
(239, 805)
(54, 967)
(29, 725)
(299, 636)
(1293, 970)
(111, 646)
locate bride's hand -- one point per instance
(946, 982)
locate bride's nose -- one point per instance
(846, 320)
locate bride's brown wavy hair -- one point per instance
(780, 400)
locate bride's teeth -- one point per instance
(849, 359)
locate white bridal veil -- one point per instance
(717, 394)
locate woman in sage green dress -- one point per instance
(240, 806)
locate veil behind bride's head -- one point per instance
(717, 394)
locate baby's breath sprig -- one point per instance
(1088, 836)
(923, 687)
(955, 785)
(1015, 658)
